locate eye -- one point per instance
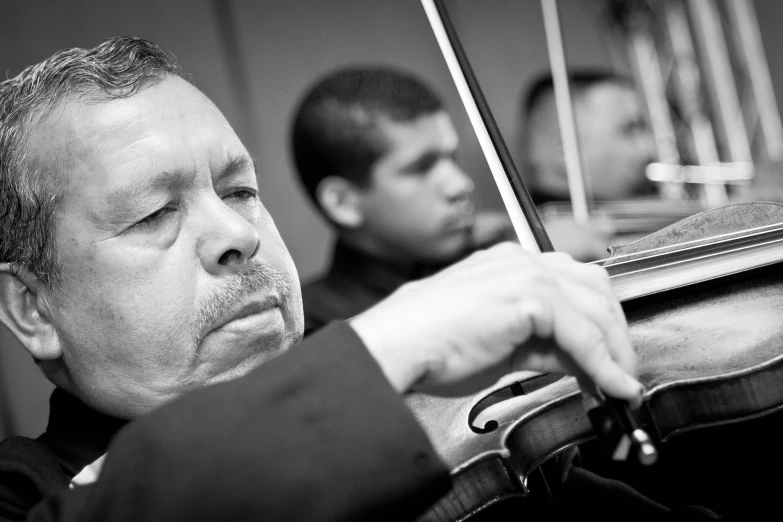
(243, 194)
(155, 219)
(422, 167)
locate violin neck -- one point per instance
(661, 269)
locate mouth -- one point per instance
(255, 315)
(461, 221)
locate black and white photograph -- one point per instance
(391, 260)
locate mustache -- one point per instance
(233, 291)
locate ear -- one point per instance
(25, 311)
(341, 201)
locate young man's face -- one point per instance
(615, 141)
(417, 206)
(174, 275)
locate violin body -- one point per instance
(710, 352)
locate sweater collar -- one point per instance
(381, 275)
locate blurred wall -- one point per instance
(272, 51)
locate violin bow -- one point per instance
(610, 417)
(521, 209)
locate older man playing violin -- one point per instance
(143, 274)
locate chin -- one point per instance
(242, 369)
(451, 251)
(234, 354)
(244, 366)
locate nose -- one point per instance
(227, 240)
(455, 183)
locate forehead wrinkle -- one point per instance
(138, 187)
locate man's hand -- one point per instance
(501, 310)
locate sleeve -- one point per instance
(29, 471)
(316, 434)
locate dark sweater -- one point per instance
(315, 434)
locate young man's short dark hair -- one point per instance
(335, 130)
(579, 80)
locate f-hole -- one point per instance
(514, 389)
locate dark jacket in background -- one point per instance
(353, 283)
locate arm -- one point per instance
(315, 434)
(319, 433)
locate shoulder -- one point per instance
(29, 471)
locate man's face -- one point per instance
(417, 207)
(174, 275)
(615, 141)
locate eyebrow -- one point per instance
(428, 159)
(136, 189)
(167, 180)
(239, 164)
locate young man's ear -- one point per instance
(340, 200)
(25, 311)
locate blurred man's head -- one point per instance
(374, 149)
(615, 140)
(136, 259)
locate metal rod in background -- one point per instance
(524, 217)
(706, 19)
(646, 67)
(690, 98)
(752, 50)
(578, 184)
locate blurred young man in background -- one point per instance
(375, 150)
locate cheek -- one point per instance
(274, 251)
(414, 205)
(273, 248)
(135, 298)
(406, 219)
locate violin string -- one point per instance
(689, 245)
(691, 260)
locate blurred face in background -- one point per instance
(417, 206)
(615, 140)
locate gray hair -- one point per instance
(30, 189)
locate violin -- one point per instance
(703, 299)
